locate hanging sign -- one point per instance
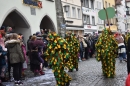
(33, 3)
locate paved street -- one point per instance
(89, 74)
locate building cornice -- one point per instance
(74, 26)
(51, 0)
(71, 4)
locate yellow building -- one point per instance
(112, 21)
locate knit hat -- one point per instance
(38, 33)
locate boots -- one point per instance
(77, 69)
(68, 83)
(42, 73)
(70, 70)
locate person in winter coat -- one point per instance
(34, 44)
(16, 57)
(121, 47)
(3, 64)
(81, 48)
(23, 47)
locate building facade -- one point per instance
(73, 16)
(112, 21)
(121, 15)
(100, 23)
(89, 16)
(128, 14)
(28, 16)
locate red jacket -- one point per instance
(128, 80)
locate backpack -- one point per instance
(84, 44)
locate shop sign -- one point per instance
(89, 26)
(100, 27)
(33, 3)
(63, 26)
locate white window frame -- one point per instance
(79, 13)
(88, 19)
(93, 20)
(86, 3)
(84, 18)
(74, 12)
(92, 4)
(68, 14)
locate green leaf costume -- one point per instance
(58, 54)
(74, 49)
(106, 48)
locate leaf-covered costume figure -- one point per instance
(127, 40)
(106, 48)
(58, 54)
(71, 45)
(76, 51)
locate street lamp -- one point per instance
(66, 8)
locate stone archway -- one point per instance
(47, 23)
(18, 22)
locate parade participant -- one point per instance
(57, 54)
(128, 51)
(71, 45)
(106, 48)
(76, 51)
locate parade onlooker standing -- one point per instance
(121, 47)
(81, 48)
(16, 57)
(23, 47)
(3, 59)
(35, 62)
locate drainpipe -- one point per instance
(82, 13)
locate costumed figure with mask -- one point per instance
(71, 45)
(127, 38)
(106, 48)
(76, 51)
(57, 54)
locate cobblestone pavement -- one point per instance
(89, 74)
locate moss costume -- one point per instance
(76, 51)
(106, 48)
(127, 40)
(58, 54)
(69, 40)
